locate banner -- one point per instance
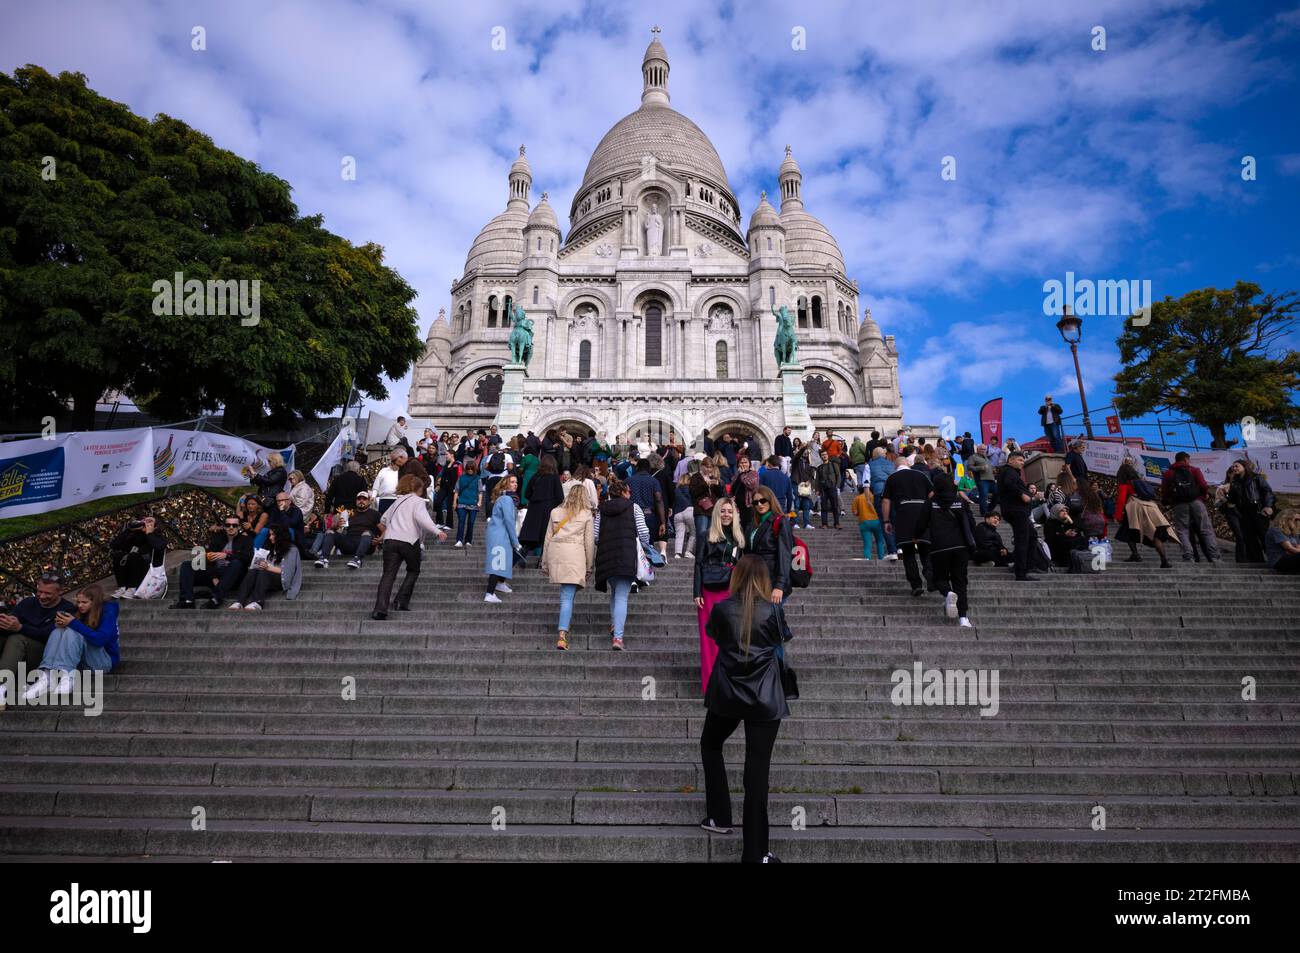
(1105, 456)
(377, 427)
(1214, 464)
(333, 454)
(205, 458)
(40, 475)
(991, 422)
(1280, 466)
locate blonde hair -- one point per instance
(296, 475)
(275, 459)
(750, 583)
(575, 501)
(717, 532)
(1288, 522)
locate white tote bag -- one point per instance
(154, 584)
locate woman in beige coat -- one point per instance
(569, 551)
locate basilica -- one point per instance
(657, 310)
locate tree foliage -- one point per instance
(133, 201)
(1216, 356)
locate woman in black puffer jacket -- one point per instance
(271, 483)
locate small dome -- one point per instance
(501, 243)
(789, 165)
(440, 328)
(808, 244)
(655, 51)
(543, 216)
(869, 333)
(521, 166)
(765, 215)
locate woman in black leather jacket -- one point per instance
(749, 629)
(716, 552)
(772, 540)
(1253, 501)
(271, 483)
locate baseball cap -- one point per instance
(365, 493)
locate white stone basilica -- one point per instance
(656, 311)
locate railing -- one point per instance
(1157, 430)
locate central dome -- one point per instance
(660, 131)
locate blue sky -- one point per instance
(1115, 164)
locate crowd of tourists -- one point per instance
(592, 512)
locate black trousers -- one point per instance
(358, 546)
(1288, 563)
(222, 581)
(830, 499)
(993, 556)
(257, 585)
(1023, 532)
(1255, 526)
(914, 575)
(950, 575)
(444, 508)
(760, 736)
(1238, 534)
(397, 552)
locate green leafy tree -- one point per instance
(1216, 356)
(97, 204)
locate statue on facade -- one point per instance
(786, 344)
(654, 231)
(521, 336)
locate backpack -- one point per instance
(497, 462)
(800, 561)
(1185, 488)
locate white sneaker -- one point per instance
(235, 605)
(65, 684)
(38, 687)
(322, 563)
(965, 623)
(892, 557)
(459, 544)
(253, 607)
(950, 605)
(491, 597)
(502, 587)
(354, 564)
(4, 695)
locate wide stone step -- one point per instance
(228, 839)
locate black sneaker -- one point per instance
(713, 827)
(183, 604)
(379, 616)
(917, 593)
(770, 859)
(212, 604)
(1026, 579)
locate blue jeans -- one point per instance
(1055, 433)
(619, 587)
(465, 524)
(567, 591)
(803, 506)
(984, 489)
(870, 530)
(891, 544)
(861, 472)
(66, 650)
(702, 521)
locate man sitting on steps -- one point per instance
(364, 529)
(226, 558)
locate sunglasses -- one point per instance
(234, 525)
(762, 503)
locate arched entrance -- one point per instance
(759, 444)
(654, 431)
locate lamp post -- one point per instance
(1071, 328)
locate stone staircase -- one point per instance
(1121, 690)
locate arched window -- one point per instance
(534, 294)
(505, 312)
(584, 360)
(769, 242)
(654, 332)
(803, 312)
(460, 320)
(771, 295)
(492, 311)
(720, 350)
(539, 242)
(817, 311)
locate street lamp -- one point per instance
(1071, 328)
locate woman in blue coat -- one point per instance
(502, 543)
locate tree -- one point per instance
(98, 204)
(1214, 355)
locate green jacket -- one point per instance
(526, 471)
(858, 452)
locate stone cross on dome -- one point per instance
(655, 31)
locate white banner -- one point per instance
(1280, 465)
(1214, 464)
(205, 458)
(1105, 456)
(377, 427)
(40, 475)
(333, 454)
